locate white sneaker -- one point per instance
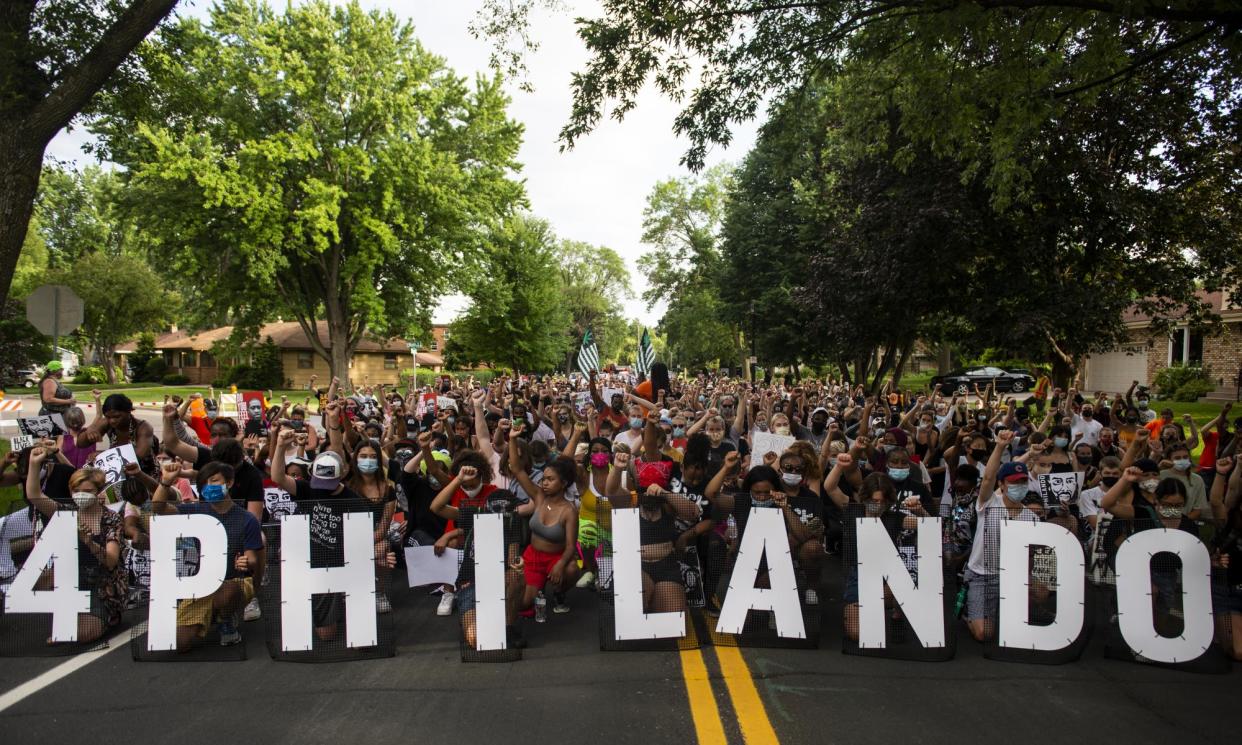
(252, 611)
(812, 598)
(383, 606)
(586, 580)
(446, 604)
(560, 608)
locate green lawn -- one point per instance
(8, 494)
(150, 393)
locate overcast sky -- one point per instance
(594, 193)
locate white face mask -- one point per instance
(791, 479)
(84, 499)
(782, 431)
(472, 492)
(1149, 484)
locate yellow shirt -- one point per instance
(590, 509)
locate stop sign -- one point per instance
(54, 309)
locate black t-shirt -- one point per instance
(419, 495)
(891, 519)
(326, 512)
(497, 503)
(913, 487)
(694, 493)
(247, 480)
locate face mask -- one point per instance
(715, 437)
(472, 493)
(562, 418)
(1149, 484)
(899, 474)
(636, 423)
(979, 454)
(213, 493)
(874, 509)
(1109, 481)
(1142, 406)
(539, 465)
(1181, 464)
(782, 431)
(679, 432)
(599, 460)
(1131, 420)
(368, 465)
(924, 425)
(1016, 491)
(761, 503)
(1087, 415)
(84, 499)
(1060, 441)
(791, 479)
(819, 427)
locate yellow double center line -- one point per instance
(752, 716)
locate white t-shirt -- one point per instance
(1089, 501)
(13, 527)
(985, 551)
(1088, 428)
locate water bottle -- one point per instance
(541, 608)
(960, 602)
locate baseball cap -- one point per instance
(1147, 465)
(326, 471)
(1012, 469)
(818, 409)
(55, 366)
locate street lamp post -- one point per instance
(414, 355)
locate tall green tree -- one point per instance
(54, 56)
(317, 164)
(517, 316)
(121, 297)
(682, 223)
(594, 285)
(81, 212)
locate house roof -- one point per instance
(1227, 305)
(287, 335)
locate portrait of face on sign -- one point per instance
(39, 427)
(1060, 487)
(112, 463)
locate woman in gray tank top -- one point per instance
(56, 398)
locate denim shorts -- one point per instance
(982, 596)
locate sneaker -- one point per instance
(772, 621)
(252, 612)
(383, 606)
(587, 580)
(812, 597)
(229, 635)
(514, 638)
(560, 607)
(446, 605)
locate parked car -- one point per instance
(962, 382)
(19, 378)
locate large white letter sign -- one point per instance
(489, 582)
(879, 562)
(58, 545)
(627, 587)
(299, 581)
(166, 587)
(764, 536)
(1134, 588)
(1016, 539)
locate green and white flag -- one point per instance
(588, 354)
(646, 354)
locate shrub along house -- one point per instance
(189, 354)
(1145, 354)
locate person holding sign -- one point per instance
(247, 557)
(100, 535)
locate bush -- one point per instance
(153, 371)
(175, 379)
(1172, 379)
(92, 374)
(1193, 390)
(143, 353)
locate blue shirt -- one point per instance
(241, 526)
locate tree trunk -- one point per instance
(105, 355)
(882, 369)
(20, 168)
(944, 358)
(901, 362)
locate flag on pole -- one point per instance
(588, 354)
(646, 354)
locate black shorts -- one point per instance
(665, 570)
(326, 609)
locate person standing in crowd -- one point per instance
(53, 395)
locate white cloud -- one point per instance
(595, 192)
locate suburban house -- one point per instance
(1144, 355)
(189, 353)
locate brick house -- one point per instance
(189, 353)
(1144, 355)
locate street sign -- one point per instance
(54, 310)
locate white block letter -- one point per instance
(1134, 589)
(764, 536)
(879, 562)
(627, 578)
(298, 581)
(166, 587)
(489, 582)
(1016, 539)
(59, 545)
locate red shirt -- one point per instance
(1208, 458)
(462, 499)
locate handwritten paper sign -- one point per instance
(762, 443)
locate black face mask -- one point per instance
(1109, 481)
(818, 427)
(979, 454)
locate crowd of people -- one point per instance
(556, 454)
